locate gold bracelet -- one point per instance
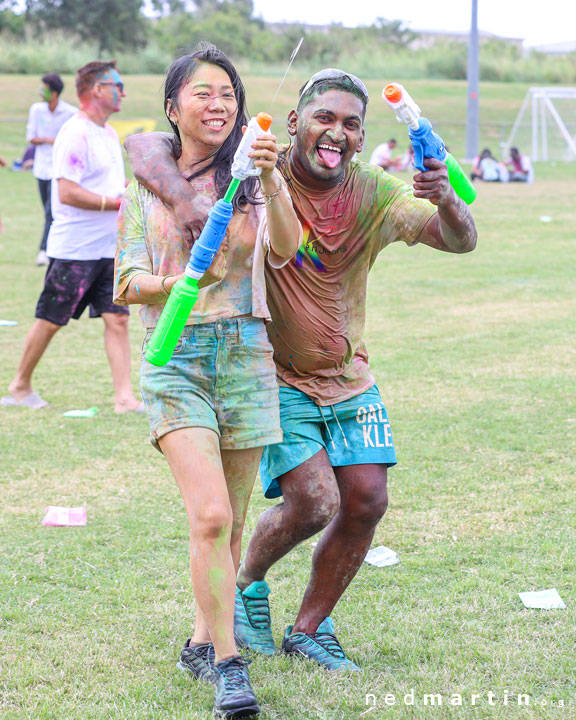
(269, 198)
(167, 292)
(102, 203)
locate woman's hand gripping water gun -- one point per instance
(427, 143)
(184, 294)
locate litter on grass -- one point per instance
(544, 599)
(64, 517)
(8, 323)
(81, 413)
(382, 556)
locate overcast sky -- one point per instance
(538, 23)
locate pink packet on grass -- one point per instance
(62, 516)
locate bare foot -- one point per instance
(19, 390)
(131, 405)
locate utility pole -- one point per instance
(473, 82)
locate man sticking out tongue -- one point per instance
(329, 154)
(331, 467)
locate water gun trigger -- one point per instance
(419, 157)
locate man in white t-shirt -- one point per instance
(382, 156)
(88, 175)
(44, 121)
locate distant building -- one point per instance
(428, 38)
(280, 27)
(556, 48)
(424, 38)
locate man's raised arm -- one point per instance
(151, 156)
(452, 229)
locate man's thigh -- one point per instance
(363, 490)
(301, 423)
(311, 490)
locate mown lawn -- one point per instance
(475, 358)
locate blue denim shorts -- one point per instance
(222, 377)
(354, 432)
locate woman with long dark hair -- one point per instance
(215, 405)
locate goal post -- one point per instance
(550, 127)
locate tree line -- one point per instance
(147, 34)
(176, 25)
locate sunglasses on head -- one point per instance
(335, 74)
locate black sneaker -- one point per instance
(199, 661)
(234, 695)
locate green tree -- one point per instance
(11, 22)
(113, 24)
(392, 32)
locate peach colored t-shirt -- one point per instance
(318, 300)
(149, 241)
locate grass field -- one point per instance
(443, 102)
(475, 358)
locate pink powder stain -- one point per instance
(74, 161)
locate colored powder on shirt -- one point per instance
(318, 301)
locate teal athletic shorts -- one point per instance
(353, 432)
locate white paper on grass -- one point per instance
(382, 556)
(544, 599)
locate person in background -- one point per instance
(45, 119)
(519, 167)
(406, 161)
(382, 156)
(487, 168)
(26, 162)
(89, 181)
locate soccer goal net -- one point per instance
(545, 126)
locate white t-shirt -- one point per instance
(381, 155)
(490, 169)
(42, 122)
(91, 156)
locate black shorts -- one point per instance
(71, 285)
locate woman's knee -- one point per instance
(212, 524)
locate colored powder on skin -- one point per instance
(138, 289)
(216, 576)
(222, 539)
